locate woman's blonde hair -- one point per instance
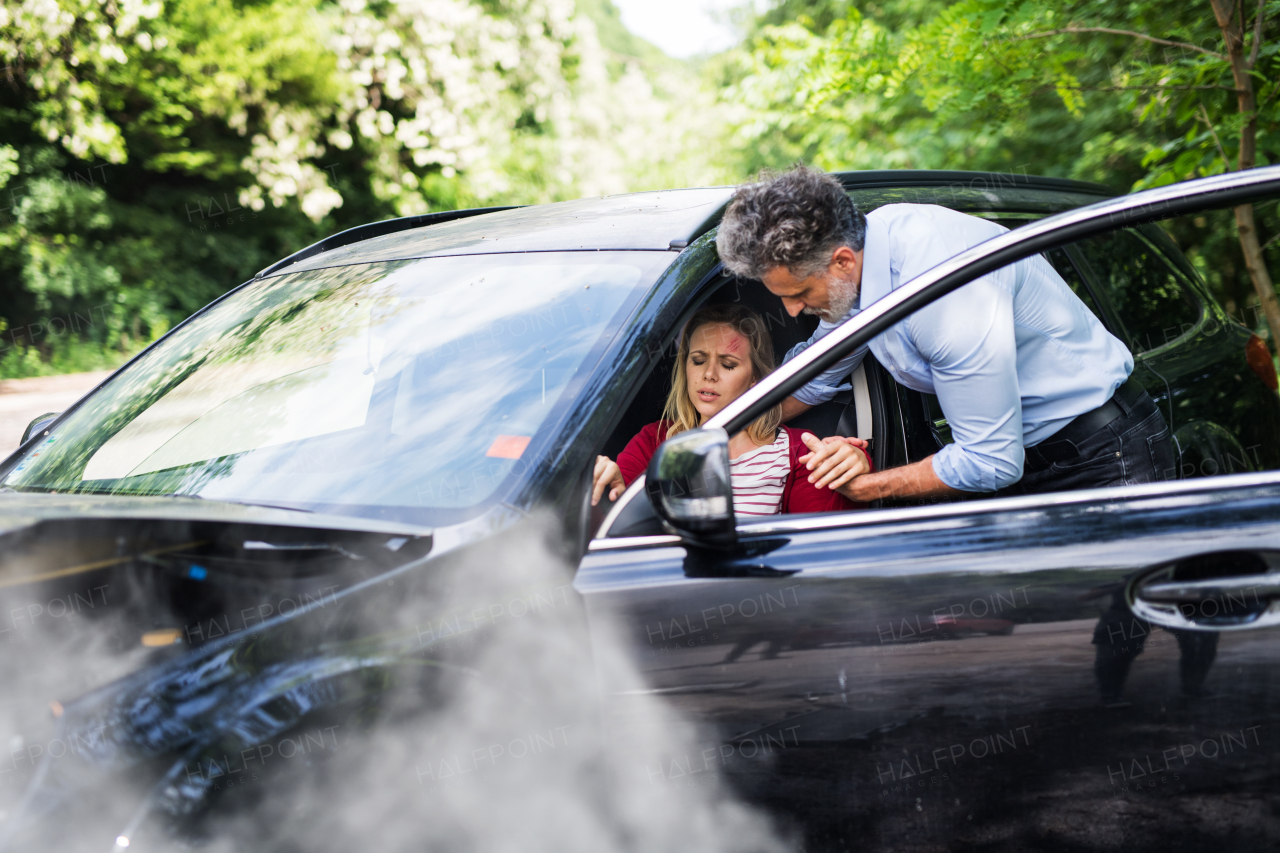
(679, 409)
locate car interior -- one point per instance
(902, 425)
(848, 414)
(897, 422)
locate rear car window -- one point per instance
(1154, 301)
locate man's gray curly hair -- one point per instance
(795, 219)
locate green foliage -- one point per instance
(159, 152)
(1014, 86)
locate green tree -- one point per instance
(158, 152)
(1191, 90)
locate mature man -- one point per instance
(1035, 390)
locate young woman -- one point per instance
(724, 351)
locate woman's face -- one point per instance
(719, 367)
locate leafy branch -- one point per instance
(1130, 33)
(1204, 116)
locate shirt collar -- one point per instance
(876, 278)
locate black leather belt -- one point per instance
(1063, 445)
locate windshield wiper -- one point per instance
(242, 503)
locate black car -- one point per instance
(297, 509)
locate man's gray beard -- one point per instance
(842, 295)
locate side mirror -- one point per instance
(38, 424)
(690, 488)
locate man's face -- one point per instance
(829, 294)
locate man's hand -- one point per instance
(916, 480)
(606, 475)
(835, 462)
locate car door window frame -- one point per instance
(1009, 247)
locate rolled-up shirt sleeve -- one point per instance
(832, 381)
(968, 339)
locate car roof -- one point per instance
(981, 193)
(990, 181)
(654, 221)
(663, 220)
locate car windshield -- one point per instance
(408, 390)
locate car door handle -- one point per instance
(1176, 592)
(1220, 591)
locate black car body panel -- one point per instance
(867, 690)
(639, 221)
(375, 229)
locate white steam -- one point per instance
(519, 753)
(494, 733)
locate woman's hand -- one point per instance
(834, 462)
(607, 476)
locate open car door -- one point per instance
(1077, 671)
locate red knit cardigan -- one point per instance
(798, 494)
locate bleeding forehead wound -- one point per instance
(723, 339)
(728, 338)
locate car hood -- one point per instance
(140, 635)
(25, 510)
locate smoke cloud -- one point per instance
(467, 705)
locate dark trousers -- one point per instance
(1121, 636)
(1124, 441)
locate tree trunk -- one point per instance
(1257, 266)
(1233, 35)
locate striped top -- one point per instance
(798, 494)
(759, 477)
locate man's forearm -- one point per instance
(792, 407)
(916, 480)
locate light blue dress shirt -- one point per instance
(1013, 356)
